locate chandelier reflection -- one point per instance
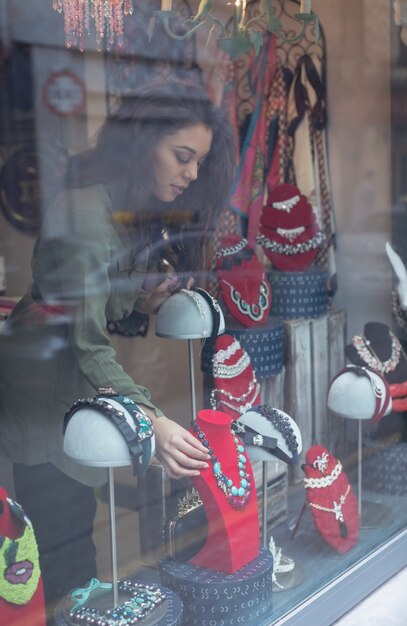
(108, 16)
(244, 33)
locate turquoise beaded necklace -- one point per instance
(238, 496)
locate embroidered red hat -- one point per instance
(235, 386)
(243, 284)
(289, 232)
(330, 499)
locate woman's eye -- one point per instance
(182, 159)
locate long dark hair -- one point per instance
(123, 153)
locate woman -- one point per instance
(166, 151)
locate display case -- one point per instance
(281, 354)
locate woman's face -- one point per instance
(177, 159)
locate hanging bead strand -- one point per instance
(107, 15)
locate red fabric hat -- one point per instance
(330, 499)
(243, 284)
(235, 386)
(289, 231)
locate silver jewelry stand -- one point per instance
(180, 318)
(264, 505)
(192, 378)
(105, 449)
(113, 542)
(371, 514)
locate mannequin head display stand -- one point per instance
(330, 499)
(21, 589)
(190, 314)
(111, 431)
(228, 494)
(379, 349)
(361, 394)
(270, 435)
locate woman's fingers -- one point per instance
(190, 283)
(181, 453)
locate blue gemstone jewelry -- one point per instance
(143, 599)
(237, 495)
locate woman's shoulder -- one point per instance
(78, 211)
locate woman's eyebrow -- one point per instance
(191, 150)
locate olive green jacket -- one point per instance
(55, 348)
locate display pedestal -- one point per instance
(233, 529)
(299, 295)
(215, 599)
(314, 354)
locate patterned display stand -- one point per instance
(169, 613)
(263, 344)
(299, 295)
(215, 599)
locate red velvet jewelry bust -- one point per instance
(233, 531)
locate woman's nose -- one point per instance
(191, 171)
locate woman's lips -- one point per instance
(20, 572)
(178, 190)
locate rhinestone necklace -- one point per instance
(291, 249)
(366, 352)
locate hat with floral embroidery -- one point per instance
(243, 283)
(289, 232)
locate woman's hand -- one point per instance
(179, 451)
(157, 294)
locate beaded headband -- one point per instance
(134, 425)
(281, 422)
